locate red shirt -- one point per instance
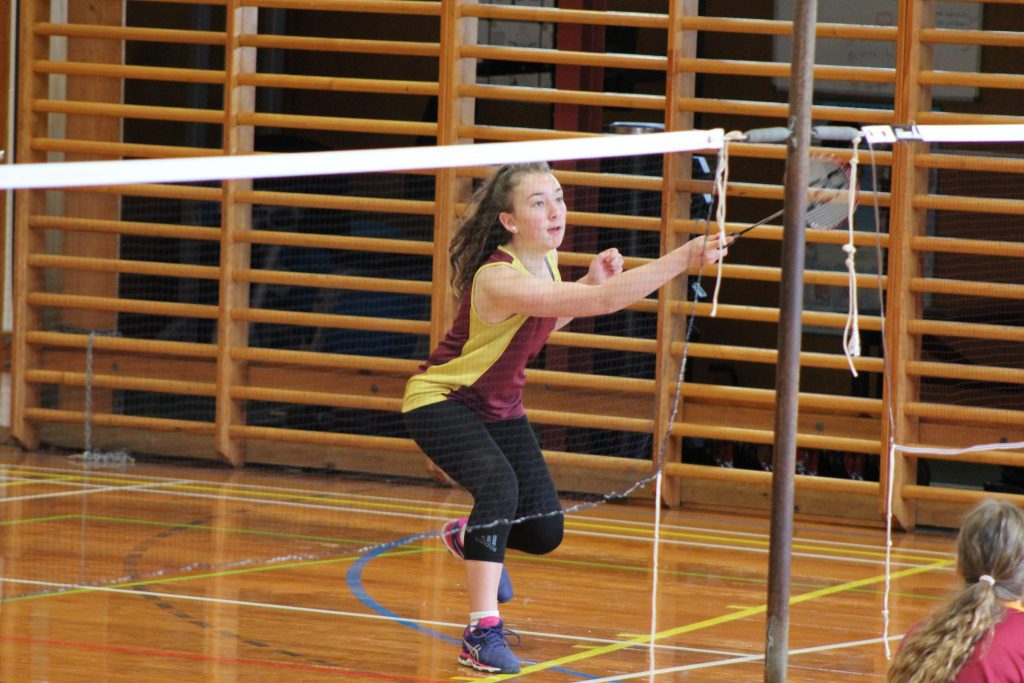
(1001, 659)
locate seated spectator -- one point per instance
(978, 636)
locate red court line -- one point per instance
(172, 654)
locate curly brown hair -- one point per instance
(480, 230)
(991, 542)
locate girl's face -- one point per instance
(537, 218)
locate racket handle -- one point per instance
(758, 224)
(773, 135)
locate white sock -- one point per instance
(475, 617)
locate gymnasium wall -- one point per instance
(275, 323)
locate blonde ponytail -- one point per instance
(991, 560)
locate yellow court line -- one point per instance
(312, 498)
(31, 482)
(714, 621)
(98, 478)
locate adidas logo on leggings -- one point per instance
(489, 542)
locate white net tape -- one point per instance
(86, 173)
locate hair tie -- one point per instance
(987, 579)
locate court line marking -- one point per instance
(157, 488)
(714, 621)
(11, 482)
(124, 589)
(595, 651)
(82, 492)
(354, 581)
(188, 487)
(717, 546)
(41, 520)
(220, 529)
(744, 659)
(760, 551)
(404, 503)
(620, 646)
(177, 654)
(755, 536)
(254, 490)
(332, 539)
(759, 579)
(703, 534)
(74, 589)
(420, 505)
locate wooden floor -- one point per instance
(171, 571)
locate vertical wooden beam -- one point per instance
(236, 218)
(905, 222)
(6, 55)
(675, 205)
(453, 111)
(87, 204)
(25, 280)
(99, 129)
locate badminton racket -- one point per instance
(829, 194)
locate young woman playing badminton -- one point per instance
(979, 634)
(464, 409)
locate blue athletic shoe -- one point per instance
(450, 537)
(485, 649)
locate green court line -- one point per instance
(39, 520)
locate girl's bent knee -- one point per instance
(542, 537)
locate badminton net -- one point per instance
(273, 306)
(954, 406)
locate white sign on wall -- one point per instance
(504, 33)
(873, 53)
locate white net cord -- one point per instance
(851, 332)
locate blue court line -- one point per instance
(354, 579)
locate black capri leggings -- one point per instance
(500, 464)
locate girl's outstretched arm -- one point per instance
(502, 292)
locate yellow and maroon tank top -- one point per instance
(481, 364)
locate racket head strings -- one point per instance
(829, 192)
